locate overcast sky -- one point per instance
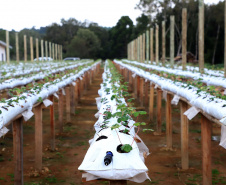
(19, 14)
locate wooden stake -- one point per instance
(25, 48)
(151, 102)
(184, 136)
(53, 55)
(159, 111)
(135, 86)
(17, 48)
(52, 124)
(141, 92)
(157, 44)
(42, 50)
(46, 47)
(68, 107)
(7, 47)
(172, 40)
(201, 36)
(18, 151)
(76, 94)
(56, 52)
(130, 80)
(38, 137)
(184, 38)
(147, 46)
(72, 100)
(37, 50)
(169, 126)
(151, 48)
(138, 86)
(143, 43)
(163, 43)
(31, 49)
(61, 111)
(206, 128)
(50, 49)
(146, 93)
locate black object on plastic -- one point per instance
(108, 158)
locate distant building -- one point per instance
(3, 50)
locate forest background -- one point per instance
(89, 40)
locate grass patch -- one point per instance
(80, 143)
(59, 155)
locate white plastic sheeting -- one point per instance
(11, 83)
(14, 70)
(124, 166)
(208, 79)
(210, 104)
(9, 112)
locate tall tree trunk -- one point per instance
(215, 47)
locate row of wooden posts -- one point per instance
(53, 50)
(141, 89)
(140, 50)
(73, 94)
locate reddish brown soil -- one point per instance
(164, 166)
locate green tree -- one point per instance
(120, 36)
(142, 25)
(84, 45)
(103, 34)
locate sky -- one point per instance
(19, 14)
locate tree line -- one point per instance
(89, 40)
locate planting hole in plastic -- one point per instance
(101, 137)
(119, 150)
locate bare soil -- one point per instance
(61, 166)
